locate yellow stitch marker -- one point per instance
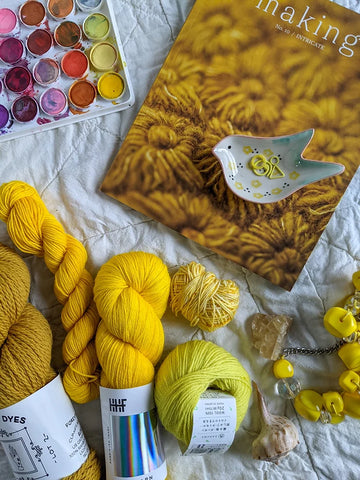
(274, 160)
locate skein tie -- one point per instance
(203, 299)
(131, 292)
(25, 345)
(187, 372)
(34, 230)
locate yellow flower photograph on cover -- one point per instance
(260, 68)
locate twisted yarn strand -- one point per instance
(34, 230)
(202, 298)
(25, 345)
(131, 292)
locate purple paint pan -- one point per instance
(25, 109)
(18, 79)
(53, 102)
(46, 71)
(12, 50)
(4, 116)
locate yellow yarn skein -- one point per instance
(131, 292)
(25, 345)
(202, 298)
(187, 372)
(34, 230)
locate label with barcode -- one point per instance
(214, 424)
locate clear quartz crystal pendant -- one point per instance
(288, 387)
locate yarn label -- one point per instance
(131, 434)
(214, 423)
(41, 435)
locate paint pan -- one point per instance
(67, 34)
(32, 13)
(25, 109)
(8, 22)
(4, 117)
(103, 56)
(53, 102)
(12, 50)
(96, 26)
(39, 42)
(60, 9)
(75, 64)
(88, 5)
(111, 86)
(46, 71)
(82, 94)
(18, 79)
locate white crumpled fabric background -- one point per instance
(67, 166)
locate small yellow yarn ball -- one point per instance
(203, 299)
(187, 372)
(131, 293)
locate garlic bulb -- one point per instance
(278, 435)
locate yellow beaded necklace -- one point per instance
(330, 407)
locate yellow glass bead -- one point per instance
(351, 404)
(356, 280)
(339, 322)
(283, 369)
(308, 404)
(333, 402)
(349, 381)
(350, 355)
(337, 418)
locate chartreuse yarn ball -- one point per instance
(187, 372)
(131, 292)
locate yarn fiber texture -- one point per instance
(203, 299)
(187, 372)
(25, 345)
(131, 292)
(34, 230)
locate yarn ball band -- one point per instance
(25, 345)
(187, 372)
(131, 292)
(202, 298)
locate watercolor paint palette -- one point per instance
(61, 61)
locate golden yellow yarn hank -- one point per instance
(131, 292)
(202, 298)
(25, 345)
(34, 230)
(187, 372)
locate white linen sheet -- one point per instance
(67, 165)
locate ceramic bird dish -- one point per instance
(269, 169)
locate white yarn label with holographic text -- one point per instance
(131, 434)
(214, 423)
(41, 435)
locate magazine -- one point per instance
(259, 68)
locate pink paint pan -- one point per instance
(8, 22)
(53, 102)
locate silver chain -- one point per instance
(312, 351)
(352, 305)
